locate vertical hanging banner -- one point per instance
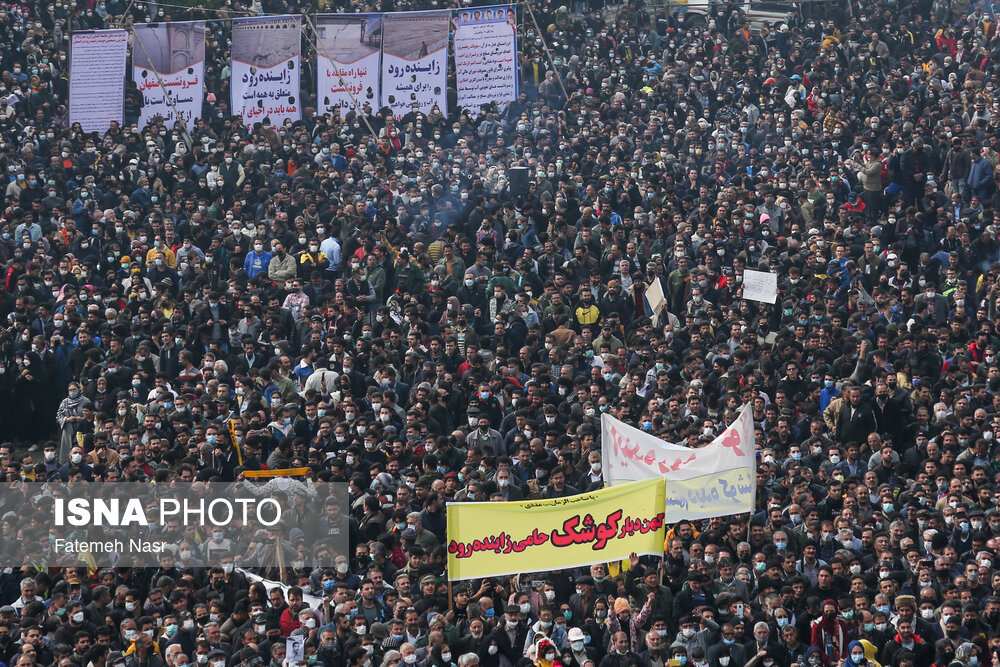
(168, 67)
(267, 53)
(485, 56)
(348, 59)
(415, 61)
(97, 61)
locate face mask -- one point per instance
(77, 617)
(525, 608)
(76, 458)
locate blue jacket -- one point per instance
(981, 177)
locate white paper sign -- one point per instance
(97, 78)
(655, 300)
(760, 286)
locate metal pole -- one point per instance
(545, 46)
(340, 77)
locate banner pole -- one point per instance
(451, 598)
(548, 55)
(340, 77)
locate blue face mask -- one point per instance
(647, 426)
(328, 585)
(683, 660)
(782, 622)
(728, 641)
(490, 612)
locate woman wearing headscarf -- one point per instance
(70, 416)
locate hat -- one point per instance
(576, 635)
(764, 217)
(905, 601)
(585, 580)
(621, 604)
(512, 609)
(408, 534)
(117, 657)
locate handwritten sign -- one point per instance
(415, 62)
(494, 539)
(630, 454)
(168, 67)
(97, 78)
(760, 286)
(266, 64)
(719, 494)
(485, 56)
(348, 61)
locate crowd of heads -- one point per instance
(439, 308)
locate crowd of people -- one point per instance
(384, 302)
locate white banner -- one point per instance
(415, 61)
(760, 286)
(266, 69)
(724, 469)
(348, 61)
(485, 56)
(168, 59)
(97, 78)
(630, 454)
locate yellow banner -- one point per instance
(280, 472)
(560, 533)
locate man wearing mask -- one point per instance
(619, 653)
(510, 637)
